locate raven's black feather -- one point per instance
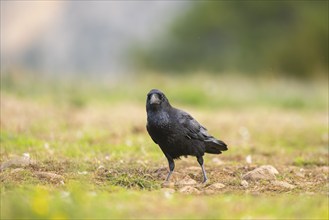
(177, 132)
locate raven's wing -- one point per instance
(193, 130)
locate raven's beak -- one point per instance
(154, 99)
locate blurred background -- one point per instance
(120, 38)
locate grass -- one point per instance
(76, 203)
(202, 90)
(89, 155)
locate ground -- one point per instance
(82, 151)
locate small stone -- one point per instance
(300, 174)
(189, 190)
(216, 186)
(17, 162)
(244, 183)
(265, 172)
(283, 184)
(26, 156)
(248, 159)
(186, 181)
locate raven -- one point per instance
(177, 132)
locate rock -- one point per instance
(186, 181)
(244, 183)
(249, 159)
(189, 190)
(216, 186)
(265, 172)
(52, 177)
(283, 184)
(17, 162)
(300, 174)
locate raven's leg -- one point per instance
(171, 167)
(200, 161)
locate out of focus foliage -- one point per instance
(285, 37)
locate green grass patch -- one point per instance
(201, 90)
(313, 161)
(79, 202)
(133, 178)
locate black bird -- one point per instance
(177, 132)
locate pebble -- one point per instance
(189, 190)
(244, 183)
(265, 172)
(283, 184)
(216, 186)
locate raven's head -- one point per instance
(156, 100)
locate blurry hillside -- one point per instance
(281, 37)
(80, 37)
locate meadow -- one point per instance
(78, 148)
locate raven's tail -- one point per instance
(214, 146)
